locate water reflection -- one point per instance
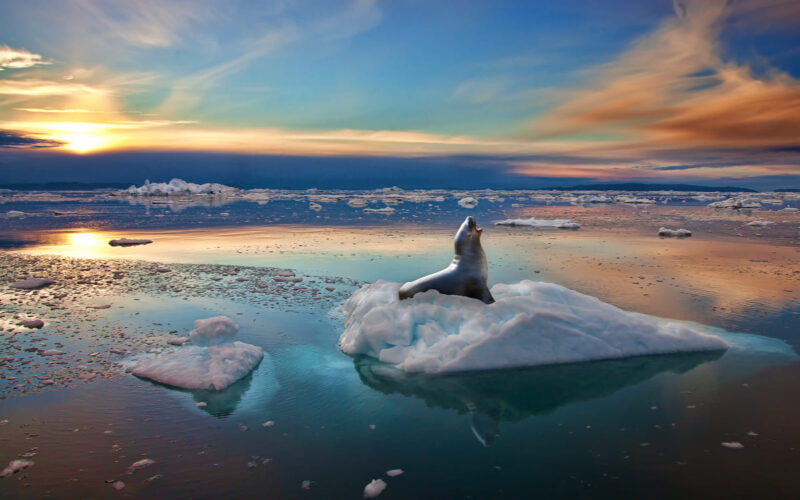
(490, 397)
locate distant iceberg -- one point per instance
(530, 324)
(177, 187)
(213, 362)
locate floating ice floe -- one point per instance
(678, 233)
(14, 213)
(32, 284)
(759, 223)
(534, 222)
(530, 324)
(468, 202)
(314, 206)
(128, 242)
(789, 209)
(735, 203)
(394, 472)
(634, 200)
(213, 362)
(15, 466)
(374, 488)
(357, 202)
(384, 210)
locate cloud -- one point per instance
(148, 23)
(18, 58)
(13, 140)
(37, 87)
(282, 31)
(672, 88)
(52, 110)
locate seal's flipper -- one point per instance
(487, 296)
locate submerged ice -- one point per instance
(214, 361)
(530, 324)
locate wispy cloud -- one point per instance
(52, 110)
(37, 87)
(356, 17)
(672, 88)
(18, 58)
(148, 23)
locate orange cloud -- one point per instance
(673, 89)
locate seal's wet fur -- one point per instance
(466, 275)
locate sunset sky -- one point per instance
(702, 91)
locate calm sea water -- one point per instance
(649, 426)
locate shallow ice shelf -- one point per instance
(530, 324)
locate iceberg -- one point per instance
(534, 222)
(214, 361)
(530, 324)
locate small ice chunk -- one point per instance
(117, 485)
(140, 464)
(306, 485)
(357, 202)
(14, 213)
(128, 242)
(468, 202)
(374, 488)
(677, 233)
(759, 223)
(534, 222)
(15, 466)
(384, 210)
(734, 445)
(51, 352)
(32, 283)
(315, 206)
(268, 423)
(394, 472)
(213, 331)
(31, 323)
(177, 340)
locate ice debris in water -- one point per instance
(384, 210)
(306, 485)
(374, 488)
(734, 445)
(15, 466)
(735, 203)
(214, 362)
(177, 187)
(759, 223)
(468, 202)
(32, 284)
(678, 233)
(394, 472)
(534, 222)
(140, 464)
(530, 324)
(128, 242)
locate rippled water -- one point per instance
(649, 426)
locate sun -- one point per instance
(82, 143)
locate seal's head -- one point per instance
(468, 237)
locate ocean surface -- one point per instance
(312, 422)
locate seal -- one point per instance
(466, 275)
